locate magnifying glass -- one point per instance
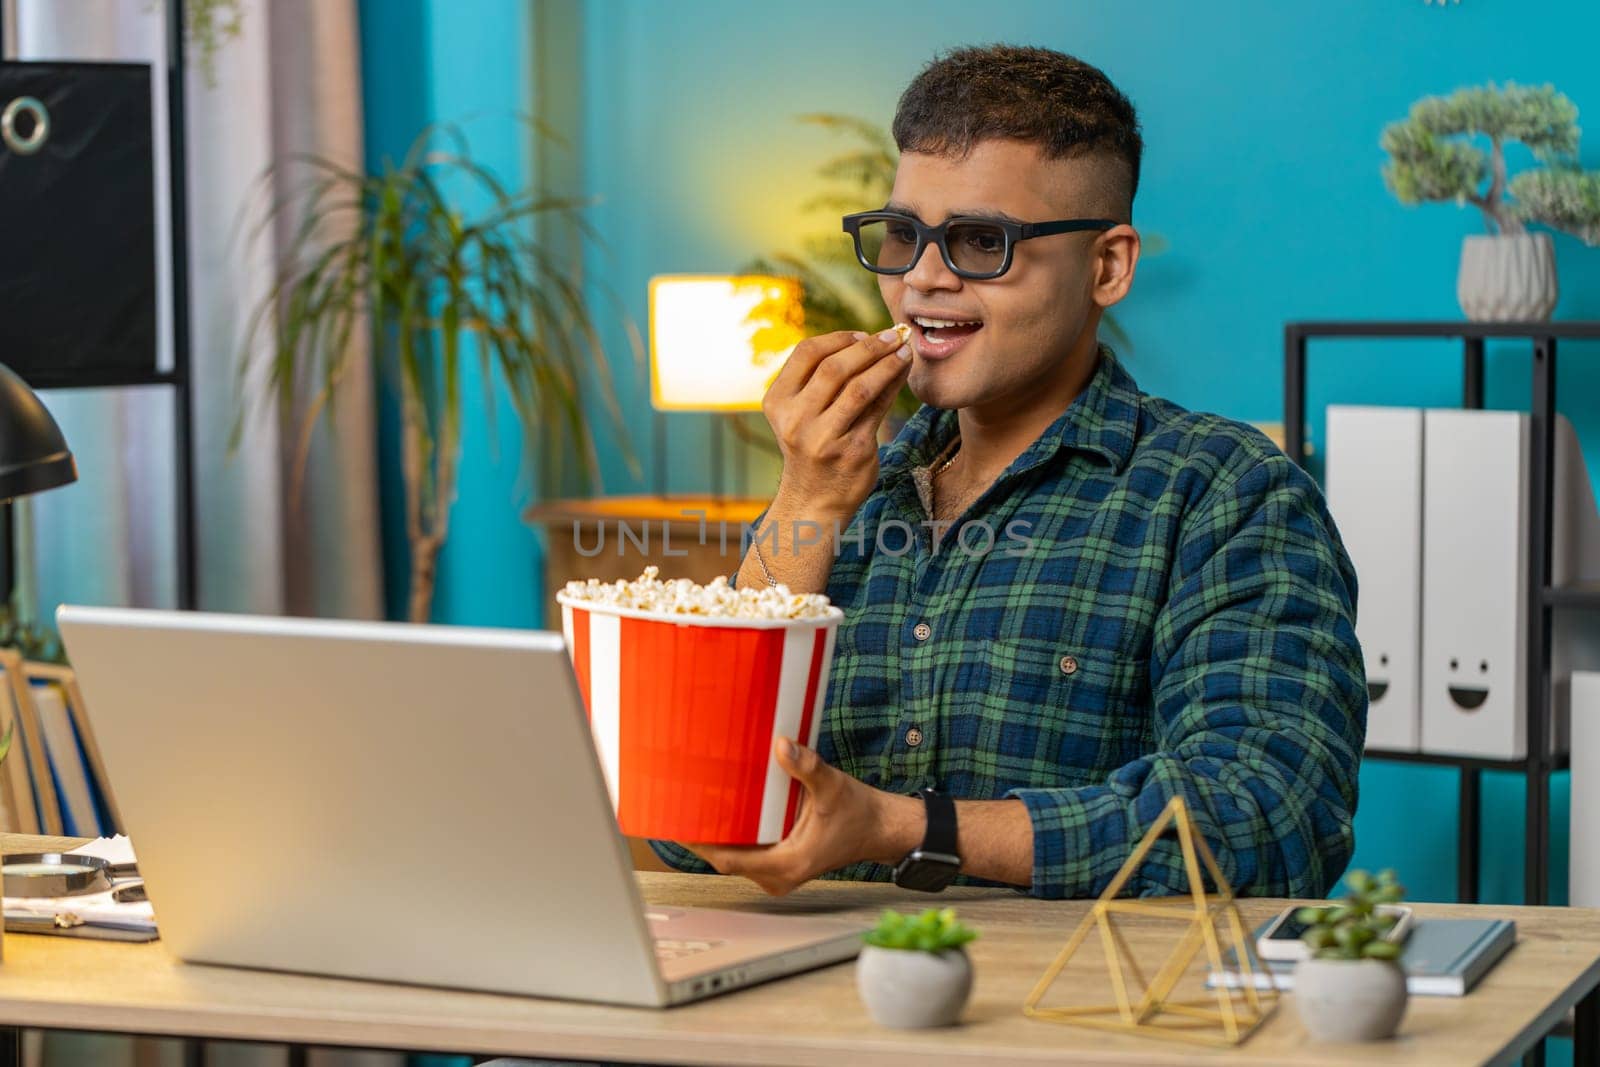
(59, 874)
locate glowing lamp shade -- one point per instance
(717, 340)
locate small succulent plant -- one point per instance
(935, 930)
(1353, 929)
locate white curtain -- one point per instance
(289, 83)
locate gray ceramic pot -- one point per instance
(1349, 1000)
(908, 990)
(1507, 277)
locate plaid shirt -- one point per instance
(1166, 608)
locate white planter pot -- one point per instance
(1349, 1000)
(1507, 277)
(908, 990)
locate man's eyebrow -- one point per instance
(982, 213)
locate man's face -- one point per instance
(1034, 316)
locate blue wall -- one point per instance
(1262, 170)
(429, 61)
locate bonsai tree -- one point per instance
(935, 930)
(1353, 929)
(394, 252)
(1432, 158)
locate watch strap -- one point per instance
(940, 836)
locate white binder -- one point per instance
(1584, 879)
(1375, 490)
(1474, 581)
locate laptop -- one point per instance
(416, 804)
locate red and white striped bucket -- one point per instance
(685, 710)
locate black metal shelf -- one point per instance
(1543, 598)
(1558, 761)
(1581, 595)
(179, 377)
(1448, 329)
(99, 379)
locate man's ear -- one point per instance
(1115, 259)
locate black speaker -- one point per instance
(77, 222)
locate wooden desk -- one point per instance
(814, 1018)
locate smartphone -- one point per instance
(1281, 940)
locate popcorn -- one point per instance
(681, 596)
(686, 686)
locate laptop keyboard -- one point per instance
(673, 948)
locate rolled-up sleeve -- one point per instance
(1259, 701)
(679, 858)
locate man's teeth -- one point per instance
(937, 324)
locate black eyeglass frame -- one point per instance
(1014, 232)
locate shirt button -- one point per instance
(1069, 665)
(922, 631)
(913, 737)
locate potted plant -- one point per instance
(1508, 275)
(1352, 987)
(835, 293)
(394, 252)
(914, 971)
(208, 25)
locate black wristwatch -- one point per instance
(935, 864)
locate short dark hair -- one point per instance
(1065, 106)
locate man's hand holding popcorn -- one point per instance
(842, 821)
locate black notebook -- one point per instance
(1442, 957)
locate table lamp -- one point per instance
(716, 342)
(33, 457)
(33, 453)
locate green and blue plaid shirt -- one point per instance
(1165, 609)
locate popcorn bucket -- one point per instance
(685, 709)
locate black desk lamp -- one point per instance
(33, 457)
(33, 453)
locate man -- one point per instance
(1065, 601)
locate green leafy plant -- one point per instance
(835, 293)
(1432, 158)
(395, 253)
(35, 641)
(935, 930)
(207, 26)
(1353, 929)
(210, 24)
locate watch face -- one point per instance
(926, 871)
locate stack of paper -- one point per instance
(87, 914)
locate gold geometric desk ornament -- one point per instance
(1224, 1016)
